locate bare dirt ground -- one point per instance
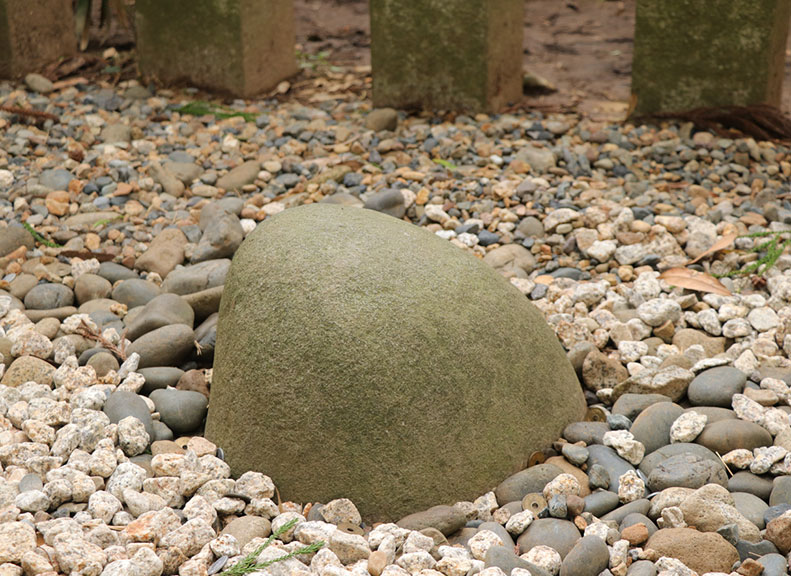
(583, 47)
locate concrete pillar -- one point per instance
(447, 54)
(34, 33)
(238, 47)
(694, 53)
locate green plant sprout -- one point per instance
(106, 221)
(250, 562)
(446, 164)
(774, 248)
(203, 108)
(39, 238)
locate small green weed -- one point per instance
(773, 247)
(250, 562)
(106, 221)
(446, 164)
(39, 238)
(203, 108)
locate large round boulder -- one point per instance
(360, 356)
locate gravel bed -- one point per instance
(108, 322)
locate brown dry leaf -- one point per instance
(694, 280)
(721, 244)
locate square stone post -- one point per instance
(694, 53)
(34, 33)
(447, 54)
(237, 47)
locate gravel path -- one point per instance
(108, 322)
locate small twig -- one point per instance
(85, 331)
(724, 464)
(29, 112)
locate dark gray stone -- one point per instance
(198, 277)
(114, 272)
(746, 481)
(48, 297)
(650, 461)
(609, 459)
(135, 292)
(652, 426)
(727, 435)
(751, 507)
(561, 535)
(686, 471)
(716, 386)
(222, 234)
(601, 502)
(631, 405)
(159, 377)
(166, 346)
(389, 201)
(527, 481)
(588, 432)
(781, 491)
(637, 507)
(162, 310)
(13, 237)
(161, 431)
(642, 568)
(183, 411)
(446, 519)
(121, 404)
(774, 565)
(589, 557)
(506, 560)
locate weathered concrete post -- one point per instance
(239, 47)
(694, 53)
(447, 54)
(34, 33)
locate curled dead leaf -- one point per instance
(720, 244)
(694, 280)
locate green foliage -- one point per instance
(203, 108)
(446, 164)
(250, 562)
(772, 248)
(39, 238)
(106, 221)
(318, 61)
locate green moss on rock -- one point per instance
(695, 53)
(447, 54)
(361, 356)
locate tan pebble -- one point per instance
(166, 447)
(377, 562)
(201, 446)
(57, 202)
(636, 534)
(750, 568)
(93, 241)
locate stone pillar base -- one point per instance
(694, 53)
(447, 54)
(34, 33)
(237, 47)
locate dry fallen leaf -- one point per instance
(694, 280)
(720, 244)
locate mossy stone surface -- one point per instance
(239, 47)
(360, 356)
(34, 33)
(447, 54)
(695, 53)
